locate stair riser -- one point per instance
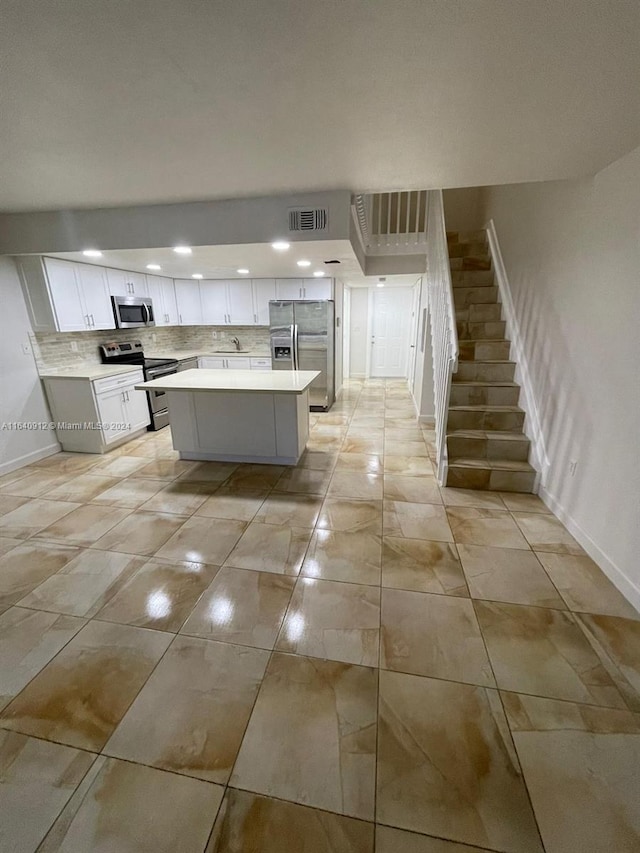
(481, 331)
(477, 371)
(482, 313)
(461, 250)
(484, 350)
(471, 395)
(503, 481)
(466, 237)
(482, 262)
(472, 278)
(488, 448)
(485, 420)
(465, 296)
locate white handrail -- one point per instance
(442, 314)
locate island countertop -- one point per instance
(247, 381)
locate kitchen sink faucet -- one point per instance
(237, 343)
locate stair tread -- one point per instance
(477, 383)
(486, 361)
(491, 464)
(484, 408)
(503, 435)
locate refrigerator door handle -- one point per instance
(294, 341)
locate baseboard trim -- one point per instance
(29, 458)
(615, 574)
(532, 425)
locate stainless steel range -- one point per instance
(131, 352)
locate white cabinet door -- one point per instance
(264, 290)
(188, 300)
(137, 283)
(111, 410)
(261, 363)
(209, 363)
(154, 289)
(238, 363)
(117, 281)
(169, 301)
(318, 288)
(94, 292)
(65, 295)
(240, 302)
(136, 408)
(289, 288)
(213, 293)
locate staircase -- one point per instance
(486, 446)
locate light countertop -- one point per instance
(181, 355)
(269, 382)
(90, 371)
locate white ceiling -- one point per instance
(108, 103)
(260, 259)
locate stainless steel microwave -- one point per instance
(131, 312)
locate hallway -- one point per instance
(339, 657)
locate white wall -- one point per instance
(572, 255)
(21, 395)
(462, 209)
(358, 331)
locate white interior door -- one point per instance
(391, 327)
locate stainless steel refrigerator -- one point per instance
(302, 338)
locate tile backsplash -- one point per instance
(70, 349)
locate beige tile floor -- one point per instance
(341, 657)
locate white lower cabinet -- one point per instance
(92, 416)
(233, 362)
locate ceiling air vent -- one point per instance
(308, 219)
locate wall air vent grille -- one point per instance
(308, 219)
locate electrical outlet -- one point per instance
(74, 346)
(26, 348)
(214, 336)
(572, 467)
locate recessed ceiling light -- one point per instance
(182, 250)
(197, 275)
(92, 253)
(380, 284)
(304, 263)
(280, 245)
(319, 273)
(242, 271)
(154, 267)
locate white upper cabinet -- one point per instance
(317, 288)
(289, 288)
(169, 301)
(124, 283)
(189, 304)
(228, 302)
(215, 310)
(70, 314)
(304, 288)
(95, 293)
(241, 309)
(80, 296)
(264, 290)
(163, 296)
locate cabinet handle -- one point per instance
(93, 322)
(180, 317)
(86, 321)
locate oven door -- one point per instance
(131, 312)
(158, 408)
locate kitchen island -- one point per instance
(238, 415)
